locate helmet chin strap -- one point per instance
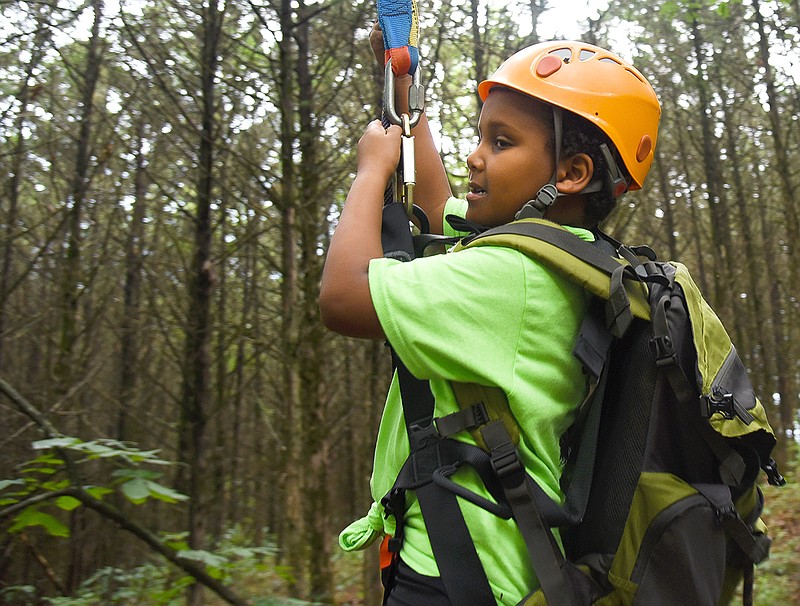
(547, 194)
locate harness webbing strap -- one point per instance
(399, 20)
(459, 566)
(546, 557)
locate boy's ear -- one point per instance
(574, 174)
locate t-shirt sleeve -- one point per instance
(453, 206)
(450, 316)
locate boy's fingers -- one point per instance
(377, 124)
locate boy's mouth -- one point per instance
(475, 189)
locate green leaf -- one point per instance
(136, 490)
(176, 540)
(48, 471)
(6, 483)
(98, 451)
(48, 458)
(53, 486)
(98, 492)
(200, 555)
(163, 493)
(64, 442)
(34, 517)
(67, 503)
(144, 474)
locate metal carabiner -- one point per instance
(416, 97)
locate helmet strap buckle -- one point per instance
(535, 209)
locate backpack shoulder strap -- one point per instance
(579, 261)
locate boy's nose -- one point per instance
(474, 161)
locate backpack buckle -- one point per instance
(503, 454)
(718, 402)
(726, 514)
(774, 476)
(665, 353)
(394, 544)
(507, 466)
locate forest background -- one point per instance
(177, 426)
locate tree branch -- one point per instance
(145, 535)
(106, 510)
(39, 498)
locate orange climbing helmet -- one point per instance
(595, 84)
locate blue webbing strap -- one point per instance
(400, 24)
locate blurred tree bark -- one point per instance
(193, 440)
(783, 310)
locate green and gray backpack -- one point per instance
(662, 502)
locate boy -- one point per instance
(565, 129)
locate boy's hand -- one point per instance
(379, 150)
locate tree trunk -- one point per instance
(316, 425)
(783, 314)
(11, 228)
(292, 531)
(195, 399)
(70, 286)
(720, 228)
(478, 51)
(537, 7)
(129, 341)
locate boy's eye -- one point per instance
(501, 142)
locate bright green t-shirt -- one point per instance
(493, 316)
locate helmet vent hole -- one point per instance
(586, 54)
(609, 60)
(563, 53)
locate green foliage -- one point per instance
(153, 584)
(32, 516)
(22, 595)
(47, 475)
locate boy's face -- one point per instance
(514, 157)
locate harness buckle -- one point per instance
(426, 456)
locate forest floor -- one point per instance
(777, 580)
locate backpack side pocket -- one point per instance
(673, 549)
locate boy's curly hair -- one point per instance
(581, 136)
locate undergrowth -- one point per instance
(257, 575)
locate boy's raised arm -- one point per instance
(345, 302)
